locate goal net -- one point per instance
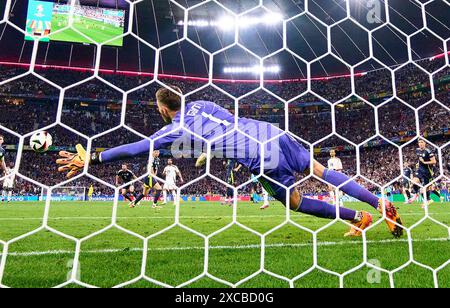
(362, 86)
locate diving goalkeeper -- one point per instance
(283, 157)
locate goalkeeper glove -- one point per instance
(74, 162)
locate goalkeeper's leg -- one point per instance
(295, 158)
(143, 195)
(355, 190)
(156, 197)
(361, 220)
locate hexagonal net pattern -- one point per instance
(373, 56)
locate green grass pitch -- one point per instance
(45, 259)
(97, 31)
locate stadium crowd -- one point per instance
(93, 107)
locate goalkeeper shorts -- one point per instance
(293, 159)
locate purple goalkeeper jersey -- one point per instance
(210, 122)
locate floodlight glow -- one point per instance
(227, 23)
(257, 69)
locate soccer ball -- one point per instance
(41, 141)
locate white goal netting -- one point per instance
(261, 70)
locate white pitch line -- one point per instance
(181, 217)
(277, 245)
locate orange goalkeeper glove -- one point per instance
(71, 162)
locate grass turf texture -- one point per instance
(97, 31)
(44, 259)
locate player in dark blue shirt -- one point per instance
(151, 182)
(259, 146)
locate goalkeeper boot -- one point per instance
(363, 222)
(393, 219)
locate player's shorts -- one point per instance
(424, 177)
(293, 158)
(150, 182)
(170, 186)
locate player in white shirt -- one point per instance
(171, 172)
(335, 163)
(8, 184)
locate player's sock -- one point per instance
(351, 188)
(415, 189)
(325, 210)
(408, 194)
(156, 197)
(10, 196)
(428, 195)
(165, 197)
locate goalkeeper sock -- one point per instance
(156, 197)
(325, 210)
(351, 188)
